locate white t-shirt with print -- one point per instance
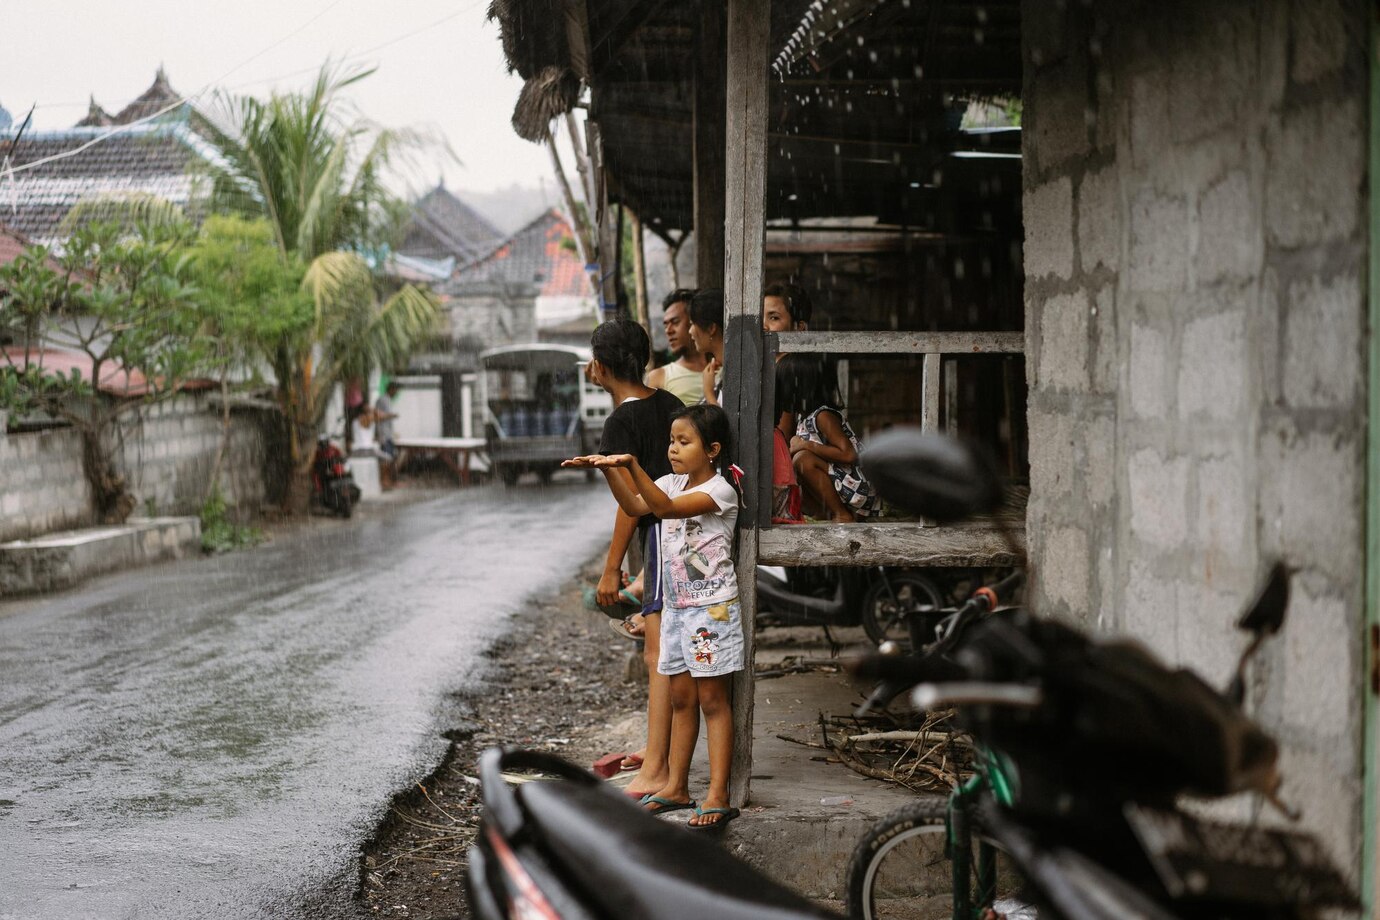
(697, 552)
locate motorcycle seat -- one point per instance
(624, 862)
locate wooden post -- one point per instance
(744, 202)
(608, 239)
(583, 240)
(929, 402)
(581, 160)
(709, 122)
(640, 272)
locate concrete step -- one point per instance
(60, 560)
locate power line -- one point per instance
(353, 56)
(11, 170)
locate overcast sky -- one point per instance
(442, 66)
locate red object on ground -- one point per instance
(609, 764)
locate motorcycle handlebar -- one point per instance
(908, 670)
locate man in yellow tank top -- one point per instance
(683, 377)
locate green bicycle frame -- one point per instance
(995, 774)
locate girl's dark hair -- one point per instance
(804, 383)
(712, 424)
(622, 346)
(796, 300)
(679, 295)
(707, 308)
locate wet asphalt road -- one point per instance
(217, 737)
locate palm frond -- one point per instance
(128, 210)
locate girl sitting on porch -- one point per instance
(824, 450)
(701, 621)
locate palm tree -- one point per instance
(315, 172)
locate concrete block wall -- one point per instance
(489, 314)
(42, 487)
(1195, 261)
(168, 456)
(171, 451)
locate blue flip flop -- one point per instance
(618, 611)
(728, 815)
(664, 806)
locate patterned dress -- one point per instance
(859, 495)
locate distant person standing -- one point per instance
(684, 376)
(707, 332)
(383, 431)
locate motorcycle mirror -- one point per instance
(1266, 615)
(931, 475)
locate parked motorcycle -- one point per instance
(1086, 746)
(333, 486)
(889, 604)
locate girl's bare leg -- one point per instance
(685, 731)
(813, 472)
(655, 772)
(718, 720)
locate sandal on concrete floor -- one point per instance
(728, 815)
(665, 806)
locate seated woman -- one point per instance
(824, 450)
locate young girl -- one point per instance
(640, 425)
(701, 623)
(824, 450)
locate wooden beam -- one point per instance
(743, 199)
(607, 227)
(901, 543)
(905, 343)
(708, 141)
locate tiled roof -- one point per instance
(444, 227)
(96, 117)
(116, 379)
(146, 159)
(540, 253)
(154, 99)
(12, 244)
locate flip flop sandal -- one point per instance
(630, 763)
(665, 806)
(625, 596)
(620, 629)
(728, 815)
(616, 611)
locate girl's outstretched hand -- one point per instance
(599, 461)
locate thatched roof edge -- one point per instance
(537, 49)
(548, 95)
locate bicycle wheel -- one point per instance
(898, 869)
(887, 611)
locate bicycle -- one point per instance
(911, 828)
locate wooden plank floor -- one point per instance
(995, 541)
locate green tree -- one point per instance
(316, 175)
(252, 308)
(121, 298)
